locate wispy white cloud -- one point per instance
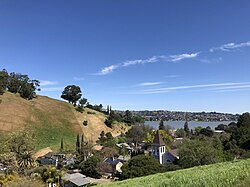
(230, 46)
(143, 61)
(170, 58)
(48, 83)
(52, 89)
(242, 86)
(173, 76)
(210, 60)
(175, 58)
(108, 69)
(232, 90)
(150, 83)
(78, 78)
(200, 86)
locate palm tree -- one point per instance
(25, 160)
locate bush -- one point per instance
(91, 112)
(199, 152)
(141, 165)
(108, 122)
(85, 123)
(79, 109)
(25, 182)
(89, 167)
(171, 167)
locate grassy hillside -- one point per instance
(227, 174)
(49, 120)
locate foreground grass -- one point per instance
(228, 174)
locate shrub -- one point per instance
(79, 109)
(85, 123)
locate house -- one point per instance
(124, 159)
(159, 150)
(126, 146)
(56, 159)
(115, 163)
(171, 156)
(48, 159)
(74, 180)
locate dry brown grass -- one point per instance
(51, 120)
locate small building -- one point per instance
(126, 146)
(171, 156)
(74, 180)
(158, 148)
(115, 163)
(159, 151)
(124, 159)
(48, 159)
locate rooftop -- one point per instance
(76, 178)
(158, 141)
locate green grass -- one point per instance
(226, 174)
(48, 132)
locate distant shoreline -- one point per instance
(191, 124)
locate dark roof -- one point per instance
(112, 162)
(174, 152)
(158, 139)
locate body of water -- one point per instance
(191, 124)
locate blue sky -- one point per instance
(173, 55)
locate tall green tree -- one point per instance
(82, 101)
(3, 80)
(62, 145)
(102, 138)
(78, 145)
(161, 125)
(199, 152)
(72, 93)
(180, 133)
(242, 133)
(86, 148)
(19, 83)
(136, 134)
(89, 167)
(186, 129)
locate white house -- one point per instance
(159, 150)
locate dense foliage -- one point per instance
(72, 93)
(18, 83)
(138, 133)
(107, 139)
(125, 117)
(199, 152)
(89, 167)
(141, 165)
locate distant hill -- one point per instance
(228, 174)
(50, 120)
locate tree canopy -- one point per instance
(18, 83)
(141, 165)
(199, 152)
(72, 93)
